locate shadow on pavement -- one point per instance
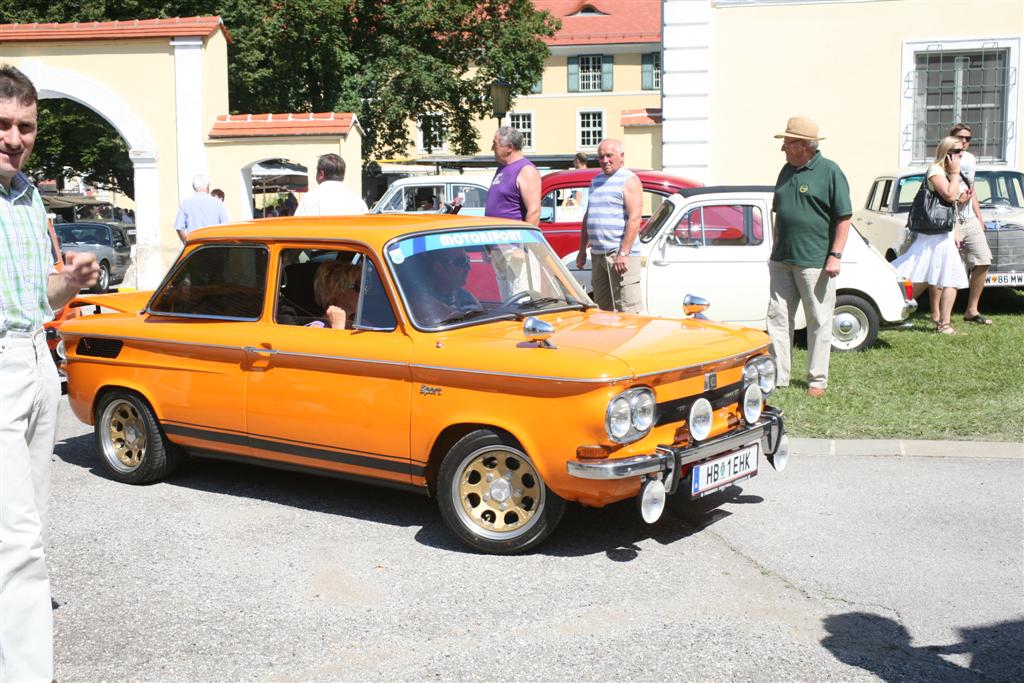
(615, 530)
(883, 647)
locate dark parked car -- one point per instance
(109, 242)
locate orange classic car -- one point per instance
(454, 356)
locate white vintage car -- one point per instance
(883, 220)
(714, 243)
(430, 193)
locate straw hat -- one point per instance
(802, 128)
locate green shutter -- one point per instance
(574, 74)
(647, 71)
(607, 64)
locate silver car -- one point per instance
(108, 242)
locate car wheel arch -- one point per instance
(137, 390)
(448, 437)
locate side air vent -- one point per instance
(100, 348)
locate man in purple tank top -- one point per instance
(515, 189)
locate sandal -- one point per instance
(978, 319)
(936, 324)
(946, 328)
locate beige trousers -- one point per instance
(615, 291)
(29, 394)
(790, 286)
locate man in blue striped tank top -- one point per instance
(610, 228)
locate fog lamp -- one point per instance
(701, 416)
(652, 500)
(753, 400)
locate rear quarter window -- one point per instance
(223, 282)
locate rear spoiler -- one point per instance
(126, 302)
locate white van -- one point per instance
(429, 194)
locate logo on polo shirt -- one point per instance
(803, 188)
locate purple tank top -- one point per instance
(504, 199)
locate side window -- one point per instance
(473, 197)
(119, 241)
(395, 202)
(331, 288)
(566, 205)
(429, 198)
(885, 194)
(720, 225)
(216, 282)
(872, 203)
(906, 191)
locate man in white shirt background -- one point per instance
(331, 197)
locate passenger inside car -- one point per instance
(336, 290)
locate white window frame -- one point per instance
(909, 63)
(419, 136)
(595, 85)
(530, 130)
(656, 70)
(579, 127)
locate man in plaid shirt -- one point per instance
(29, 388)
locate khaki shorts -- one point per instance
(975, 250)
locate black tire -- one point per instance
(103, 279)
(506, 518)
(854, 324)
(132, 447)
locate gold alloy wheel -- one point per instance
(499, 493)
(124, 435)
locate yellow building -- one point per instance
(884, 79)
(602, 79)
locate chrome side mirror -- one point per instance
(538, 331)
(695, 306)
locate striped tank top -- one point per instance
(606, 212)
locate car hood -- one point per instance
(600, 345)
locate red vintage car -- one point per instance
(564, 201)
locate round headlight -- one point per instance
(643, 410)
(619, 418)
(61, 350)
(753, 399)
(701, 417)
(750, 373)
(767, 370)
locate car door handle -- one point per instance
(259, 351)
(661, 262)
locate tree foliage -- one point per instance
(388, 61)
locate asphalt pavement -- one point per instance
(863, 561)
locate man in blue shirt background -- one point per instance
(199, 210)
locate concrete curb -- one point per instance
(914, 449)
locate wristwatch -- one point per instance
(837, 254)
(622, 253)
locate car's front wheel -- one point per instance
(854, 324)
(103, 279)
(132, 447)
(492, 497)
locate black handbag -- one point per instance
(930, 214)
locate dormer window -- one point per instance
(588, 11)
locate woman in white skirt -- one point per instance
(934, 260)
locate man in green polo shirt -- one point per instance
(812, 219)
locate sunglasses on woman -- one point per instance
(956, 151)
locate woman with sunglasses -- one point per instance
(934, 260)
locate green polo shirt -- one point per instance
(808, 203)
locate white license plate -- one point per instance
(1004, 280)
(715, 474)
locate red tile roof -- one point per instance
(621, 21)
(268, 125)
(118, 30)
(650, 116)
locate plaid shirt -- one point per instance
(26, 258)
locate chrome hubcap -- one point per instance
(848, 327)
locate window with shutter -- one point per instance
(574, 74)
(607, 66)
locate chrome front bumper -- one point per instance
(768, 431)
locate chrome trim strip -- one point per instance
(581, 380)
(320, 356)
(701, 366)
(649, 464)
(153, 340)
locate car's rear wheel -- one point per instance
(132, 447)
(492, 497)
(854, 324)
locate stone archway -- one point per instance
(53, 83)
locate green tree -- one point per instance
(389, 62)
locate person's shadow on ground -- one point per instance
(883, 647)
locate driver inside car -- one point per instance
(442, 295)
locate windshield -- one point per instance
(470, 276)
(69, 233)
(1000, 188)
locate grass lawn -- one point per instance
(917, 384)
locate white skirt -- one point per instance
(933, 259)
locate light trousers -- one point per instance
(29, 394)
(615, 291)
(789, 287)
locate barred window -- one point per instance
(656, 71)
(590, 73)
(432, 132)
(524, 124)
(591, 128)
(953, 86)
